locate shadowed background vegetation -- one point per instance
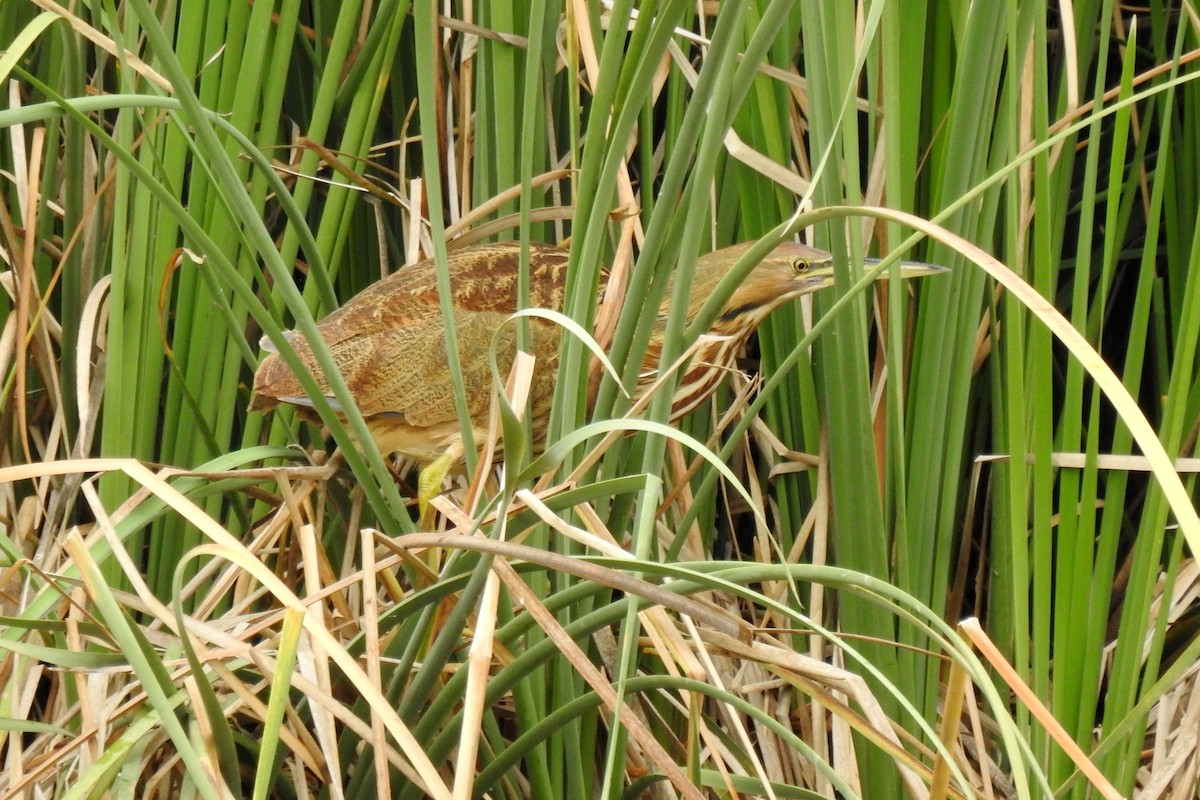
(764, 603)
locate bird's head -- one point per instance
(788, 271)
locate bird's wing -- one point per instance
(403, 371)
(389, 342)
(408, 374)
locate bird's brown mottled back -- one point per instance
(390, 345)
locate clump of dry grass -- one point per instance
(294, 643)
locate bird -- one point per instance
(389, 341)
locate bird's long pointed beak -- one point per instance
(908, 269)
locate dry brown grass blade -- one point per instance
(821, 680)
(672, 648)
(1171, 763)
(956, 690)
(1173, 766)
(572, 566)
(479, 656)
(588, 671)
(26, 289)
(371, 654)
(106, 44)
(470, 220)
(732, 718)
(974, 632)
(312, 656)
(1129, 463)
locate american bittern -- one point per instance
(389, 341)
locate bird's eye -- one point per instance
(800, 265)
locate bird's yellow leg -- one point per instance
(433, 475)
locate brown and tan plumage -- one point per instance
(390, 344)
(389, 340)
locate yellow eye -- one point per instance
(800, 265)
